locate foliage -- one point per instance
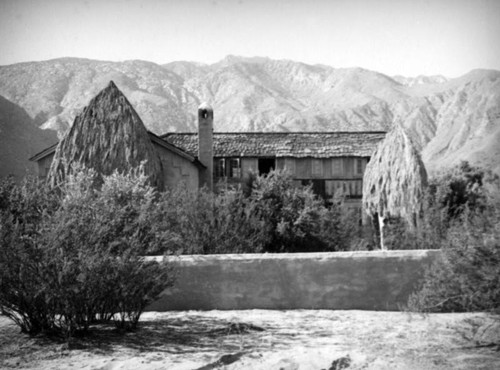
(299, 221)
(463, 188)
(464, 220)
(269, 214)
(72, 256)
(205, 223)
(467, 275)
(460, 192)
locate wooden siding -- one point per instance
(350, 188)
(342, 175)
(342, 168)
(327, 168)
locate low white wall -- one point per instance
(379, 280)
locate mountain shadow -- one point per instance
(20, 138)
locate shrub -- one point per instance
(297, 218)
(464, 187)
(81, 260)
(450, 199)
(268, 214)
(466, 277)
(204, 223)
(23, 209)
(339, 228)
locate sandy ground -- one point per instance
(261, 339)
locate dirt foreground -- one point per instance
(262, 339)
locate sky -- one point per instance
(395, 37)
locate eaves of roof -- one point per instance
(44, 153)
(169, 146)
(154, 138)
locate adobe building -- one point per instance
(333, 162)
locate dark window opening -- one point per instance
(318, 187)
(266, 165)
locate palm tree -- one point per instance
(107, 136)
(393, 182)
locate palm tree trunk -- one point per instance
(381, 229)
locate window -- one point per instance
(234, 168)
(227, 167)
(266, 165)
(219, 167)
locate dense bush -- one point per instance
(466, 277)
(450, 198)
(462, 188)
(205, 223)
(463, 219)
(298, 220)
(74, 255)
(269, 214)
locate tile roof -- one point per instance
(283, 144)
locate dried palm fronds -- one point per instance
(394, 180)
(107, 136)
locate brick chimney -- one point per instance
(206, 143)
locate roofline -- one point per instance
(278, 133)
(158, 140)
(153, 137)
(44, 153)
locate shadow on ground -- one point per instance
(173, 335)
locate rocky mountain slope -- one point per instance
(448, 120)
(20, 138)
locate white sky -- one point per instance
(408, 37)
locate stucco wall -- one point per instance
(44, 165)
(342, 280)
(177, 170)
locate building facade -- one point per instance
(333, 162)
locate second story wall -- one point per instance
(327, 175)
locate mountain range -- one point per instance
(448, 120)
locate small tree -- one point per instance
(394, 182)
(463, 217)
(466, 276)
(298, 219)
(71, 256)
